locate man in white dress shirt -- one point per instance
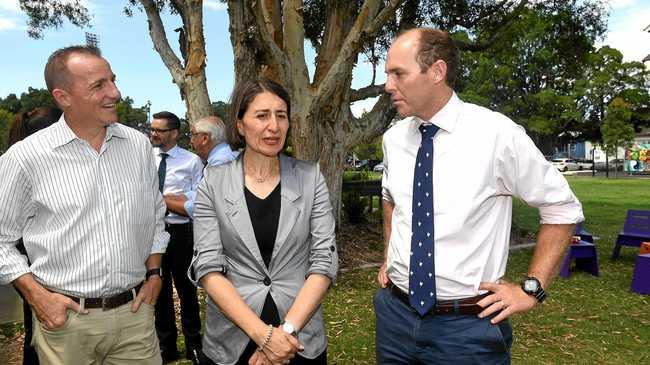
(208, 139)
(179, 171)
(84, 196)
(447, 227)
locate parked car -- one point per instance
(367, 165)
(565, 164)
(378, 167)
(585, 164)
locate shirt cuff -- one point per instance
(160, 243)
(566, 214)
(189, 207)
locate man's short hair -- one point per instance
(173, 122)
(216, 131)
(436, 44)
(56, 72)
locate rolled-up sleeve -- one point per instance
(15, 203)
(189, 203)
(208, 255)
(323, 258)
(385, 188)
(523, 171)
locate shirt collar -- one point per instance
(220, 152)
(447, 117)
(63, 134)
(173, 152)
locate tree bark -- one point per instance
(190, 77)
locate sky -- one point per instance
(141, 74)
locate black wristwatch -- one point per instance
(155, 271)
(533, 287)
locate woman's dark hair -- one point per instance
(240, 100)
(27, 123)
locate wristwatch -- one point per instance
(154, 271)
(288, 327)
(533, 287)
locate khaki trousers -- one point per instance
(115, 336)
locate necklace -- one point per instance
(258, 176)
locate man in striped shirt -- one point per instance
(83, 195)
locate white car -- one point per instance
(565, 164)
(379, 167)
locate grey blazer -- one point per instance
(224, 241)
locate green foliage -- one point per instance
(607, 77)
(221, 109)
(6, 120)
(133, 117)
(529, 75)
(354, 207)
(371, 150)
(51, 13)
(28, 101)
(616, 129)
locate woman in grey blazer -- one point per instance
(264, 243)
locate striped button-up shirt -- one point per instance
(89, 219)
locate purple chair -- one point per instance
(584, 235)
(586, 257)
(635, 230)
(641, 276)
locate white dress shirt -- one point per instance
(184, 172)
(481, 160)
(89, 219)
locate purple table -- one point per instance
(641, 276)
(586, 257)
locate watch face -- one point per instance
(288, 328)
(531, 285)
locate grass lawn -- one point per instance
(585, 320)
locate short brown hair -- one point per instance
(242, 97)
(436, 44)
(56, 70)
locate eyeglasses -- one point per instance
(158, 131)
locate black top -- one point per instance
(265, 216)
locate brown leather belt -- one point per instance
(109, 302)
(454, 306)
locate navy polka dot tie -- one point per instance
(422, 275)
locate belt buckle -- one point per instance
(105, 304)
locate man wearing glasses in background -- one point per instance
(209, 141)
(179, 172)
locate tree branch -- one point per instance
(372, 124)
(159, 39)
(364, 27)
(265, 30)
(294, 42)
(369, 91)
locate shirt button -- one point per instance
(267, 281)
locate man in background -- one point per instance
(209, 141)
(179, 172)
